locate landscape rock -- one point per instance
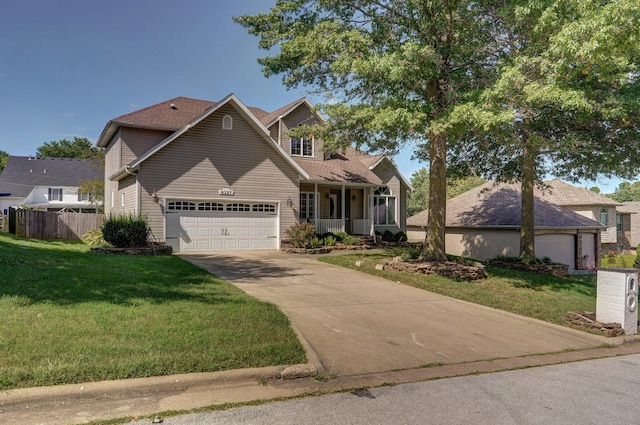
(448, 269)
(588, 320)
(359, 263)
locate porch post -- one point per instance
(343, 211)
(372, 231)
(315, 205)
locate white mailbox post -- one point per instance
(617, 298)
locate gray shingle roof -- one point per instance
(23, 173)
(348, 167)
(492, 205)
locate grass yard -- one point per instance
(539, 296)
(69, 315)
(617, 261)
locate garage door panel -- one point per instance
(204, 230)
(559, 247)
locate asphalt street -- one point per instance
(604, 391)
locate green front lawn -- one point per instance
(69, 315)
(542, 297)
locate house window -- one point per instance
(302, 146)
(227, 122)
(307, 205)
(384, 207)
(83, 197)
(619, 222)
(55, 194)
(604, 216)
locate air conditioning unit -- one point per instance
(617, 298)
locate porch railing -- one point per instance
(360, 226)
(328, 225)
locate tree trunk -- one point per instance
(434, 245)
(527, 231)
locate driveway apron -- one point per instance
(354, 323)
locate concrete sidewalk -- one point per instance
(359, 330)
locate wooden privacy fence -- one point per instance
(54, 225)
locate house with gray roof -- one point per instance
(485, 222)
(213, 176)
(49, 184)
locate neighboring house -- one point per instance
(628, 225)
(223, 176)
(49, 184)
(485, 222)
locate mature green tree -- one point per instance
(595, 189)
(626, 192)
(419, 198)
(4, 157)
(565, 104)
(389, 70)
(94, 188)
(76, 148)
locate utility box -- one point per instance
(617, 298)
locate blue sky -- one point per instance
(68, 66)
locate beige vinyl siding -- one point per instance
(357, 206)
(482, 244)
(301, 115)
(206, 159)
(136, 142)
(112, 162)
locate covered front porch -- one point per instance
(357, 210)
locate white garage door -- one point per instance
(215, 226)
(561, 248)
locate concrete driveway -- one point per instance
(353, 323)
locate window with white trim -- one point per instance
(307, 205)
(181, 206)
(302, 146)
(55, 194)
(227, 122)
(619, 222)
(268, 208)
(238, 207)
(384, 207)
(83, 197)
(210, 206)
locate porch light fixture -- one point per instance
(289, 202)
(353, 198)
(154, 196)
(328, 196)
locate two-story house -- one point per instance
(223, 176)
(49, 184)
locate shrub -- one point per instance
(351, 240)
(400, 237)
(301, 234)
(126, 231)
(340, 236)
(330, 241)
(636, 263)
(94, 238)
(388, 236)
(316, 243)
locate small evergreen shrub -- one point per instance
(388, 236)
(351, 240)
(301, 234)
(126, 230)
(400, 237)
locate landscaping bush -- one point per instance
(340, 236)
(316, 243)
(636, 263)
(301, 234)
(94, 238)
(400, 237)
(351, 240)
(388, 236)
(330, 241)
(126, 230)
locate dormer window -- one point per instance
(227, 122)
(302, 146)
